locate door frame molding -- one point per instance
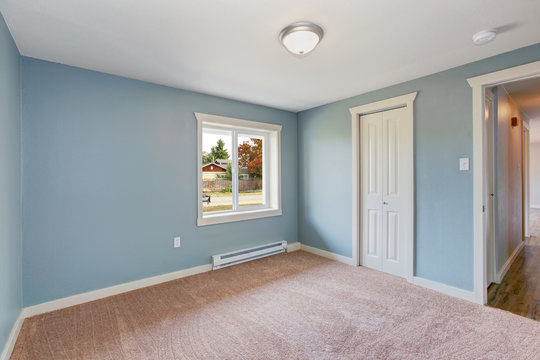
(404, 101)
(478, 85)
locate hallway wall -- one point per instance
(509, 189)
(535, 174)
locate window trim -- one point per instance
(272, 169)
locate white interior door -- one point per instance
(372, 194)
(490, 185)
(387, 183)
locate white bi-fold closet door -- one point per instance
(386, 183)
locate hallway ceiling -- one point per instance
(526, 93)
(230, 48)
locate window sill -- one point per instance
(238, 216)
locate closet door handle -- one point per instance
(385, 203)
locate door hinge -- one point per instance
(483, 208)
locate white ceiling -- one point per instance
(230, 48)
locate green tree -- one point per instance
(219, 151)
(216, 152)
(205, 158)
(228, 172)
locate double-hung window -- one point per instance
(239, 169)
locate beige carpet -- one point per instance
(289, 306)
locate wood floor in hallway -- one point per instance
(519, 292)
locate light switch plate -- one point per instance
(177, 242)
(464, 164)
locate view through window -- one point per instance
(250, 165)
(232, 170)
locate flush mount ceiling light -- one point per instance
(301, 38)
(484, 36)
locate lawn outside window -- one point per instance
(239, 169)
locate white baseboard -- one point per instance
(112, 290)
(327, 254)
(445, 289)
(295, 246)
(500, 274)
(12, 339)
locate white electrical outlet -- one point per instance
(177, 242)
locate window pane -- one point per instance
(250, 169)
(216, 170)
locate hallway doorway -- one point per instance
(513, 194)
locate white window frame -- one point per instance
(271, 134)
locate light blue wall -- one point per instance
(109, 178)
(443, 194)
(10, 184)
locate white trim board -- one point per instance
(501, 273)
(534, 206)
(295, 246)
(327, 254)
(12, 339)
(112, 290)
(443, 288)
(478, 85)
(406, 101)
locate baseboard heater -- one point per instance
(240, 256)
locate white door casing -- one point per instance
(526, 179)
(478, 85)
(383, 231)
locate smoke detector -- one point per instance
(484, 36)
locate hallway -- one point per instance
(519, 292)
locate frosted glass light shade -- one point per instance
(301, 38)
